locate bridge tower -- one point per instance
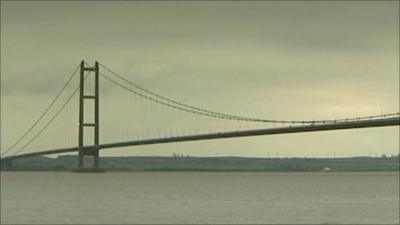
(93, 124)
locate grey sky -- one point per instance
(279, 60)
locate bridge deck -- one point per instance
(393, 121)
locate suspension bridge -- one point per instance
(79, 101)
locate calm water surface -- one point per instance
(197, 197)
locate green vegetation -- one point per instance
(186, 163)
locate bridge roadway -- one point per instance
(381, 122)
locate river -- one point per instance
(199, 197)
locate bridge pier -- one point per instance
(6, 165)
(92, 153)
(96, 162)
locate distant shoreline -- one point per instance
(216, 172)
(214, 164)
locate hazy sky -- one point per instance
(278, 60)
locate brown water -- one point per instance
(197, 197)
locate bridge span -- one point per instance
(382, 122)
(137, 92)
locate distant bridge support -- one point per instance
(94, 125)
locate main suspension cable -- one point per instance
(206, 112)
(154, 99)
(52, 119)
(44, 112)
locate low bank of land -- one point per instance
(65, 163)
